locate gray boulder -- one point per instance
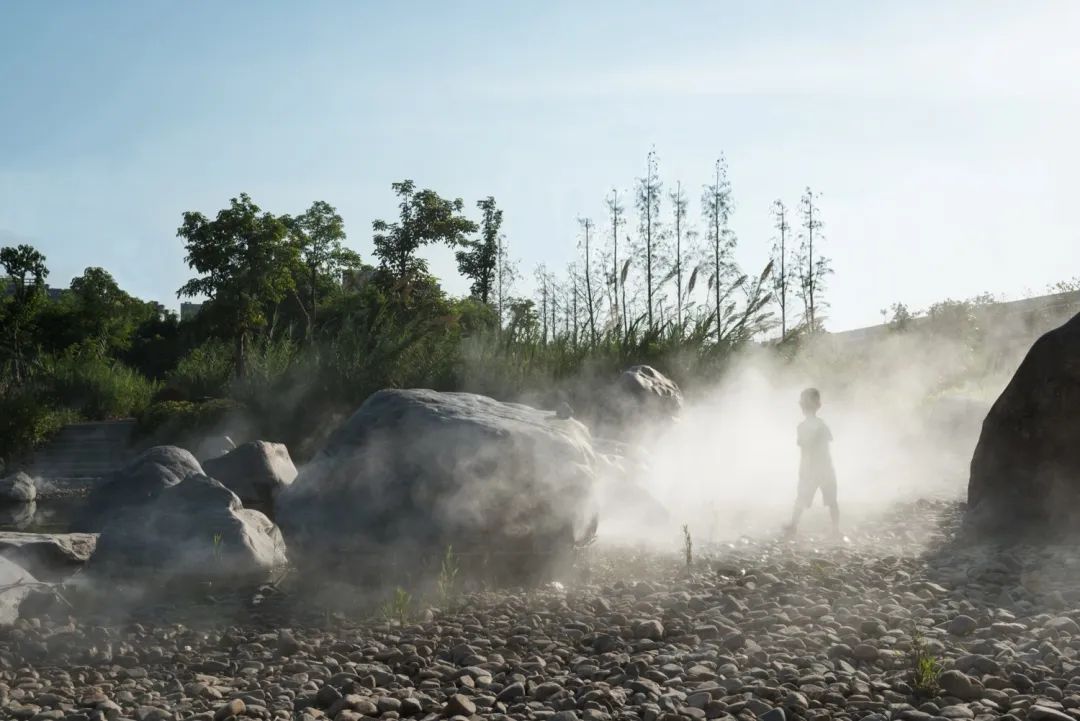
(255, 471)
(415, 471)
(641, 394)
(1025, 472)
(19, 515)
(49, 556)
(18, 488)
(16, 583)
(191, 531)
(137, 483)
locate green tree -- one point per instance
(244, 260)
(424, 218)
(318, 234)
(25, 269)
(105, 315)
(478, 260)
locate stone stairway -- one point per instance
(83, 452)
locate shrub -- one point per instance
(26, 423)
(94, 388)
(178, 421)
(205, 372)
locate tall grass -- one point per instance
(205, 372)
(93, 387)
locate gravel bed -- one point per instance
(755, 629)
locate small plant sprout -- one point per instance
(688, 546)
(925, 668)
(398, 609)
(218, 538)
(448, 577)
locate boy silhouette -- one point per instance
(815, 462)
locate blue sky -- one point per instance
(942, 136)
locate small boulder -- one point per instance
(255, 471)
(49, 556)
(644, 393)
(194, 530)
(137, 483)
(18, 516)
(16, 489)
(16, 583)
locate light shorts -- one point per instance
(808, 488)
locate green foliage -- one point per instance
(94, 387)
(23, 294)
(216, 549)
(424, 218)
(175, 421)
(205, 372)
(26, 422)
(478, 261)
(398, 609)
(925, 667)
(447, 584)
(318, 235)
(245, 264)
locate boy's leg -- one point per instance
(828, 494)
(803, 499)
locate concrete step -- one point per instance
(84, 451)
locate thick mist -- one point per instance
(905, 410)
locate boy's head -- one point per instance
(810, 401)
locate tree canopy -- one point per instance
(424, 218)
(244, 260)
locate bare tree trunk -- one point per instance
(678, 254)
(544, 306)
(810, 260)
(716, 247)
(588, 283)
(240, 357)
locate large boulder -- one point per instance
(1025, 473)
(49, 556)
(194, 530)
(16, 489)
(16, 583)
(255, 471)
(415, 471)
(137, 483)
